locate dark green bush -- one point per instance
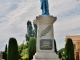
(55, 48)
(12, 49)
(32, 47)
(69, 49)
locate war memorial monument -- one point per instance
(45, 34)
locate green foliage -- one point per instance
(5, 52)
(12, 49)
(29, 28)
(31, 41)
(67, 53)
(60, 52)
(27, 37)
(21, 48)
(69, 49)
(32, 47)
(64, 56)
(24, 51)
(55, 48)
(35, 30)
(30, 31)
(25, 57)
(6, 49)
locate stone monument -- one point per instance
(45, 35)
(0, 55)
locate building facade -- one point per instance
(76, 42)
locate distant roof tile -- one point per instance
(76, 37)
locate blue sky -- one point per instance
(14, 15)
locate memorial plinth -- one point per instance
(0, 56)
(45, 38)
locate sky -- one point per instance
(14, 15)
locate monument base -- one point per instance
(45, 38)
(45, 56)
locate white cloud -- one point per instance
(59, 7)
(66, 26)
(13, 20)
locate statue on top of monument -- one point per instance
(44, 7)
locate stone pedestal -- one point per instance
(0, 56)
(45, 38)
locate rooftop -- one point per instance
(75, 37)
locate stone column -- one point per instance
(45, 38)
(0, 56)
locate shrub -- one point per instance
(12, 49)
(25, 57)
(32, 47)
(69, 49)
(55, 48)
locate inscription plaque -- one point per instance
(45, 44)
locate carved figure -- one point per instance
(44, 7)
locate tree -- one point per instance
(29, 30)
(69, 49)
(35, 29)
(25, 57)
(32, 47)
(24, 54)
(21, 48)
(55, 48)
(5, 53)
(63, 54)
(12, 49)
(27, 37)
(60, 52)
(24, 51)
